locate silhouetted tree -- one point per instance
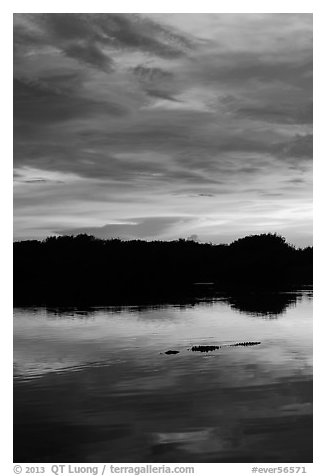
(83, 268)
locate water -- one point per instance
(96, 385)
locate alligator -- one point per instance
(244, 343)
(209, 348)
(205, 348)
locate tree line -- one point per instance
(82, 268)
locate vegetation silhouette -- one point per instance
(83, 269)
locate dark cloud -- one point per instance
(67, 26)
(35, 181)
(300, 147)
(89, 53)
(66, 83)
(156, 82)
(156, 93)
(280, 113)
(138, 33)
(148, 75)
(296, 181)
(85, 36)
(35, 103)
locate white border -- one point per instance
(277, 6)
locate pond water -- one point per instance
(95, 385)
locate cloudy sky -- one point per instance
(163, 125)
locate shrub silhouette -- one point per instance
(82, 268)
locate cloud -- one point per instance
(86, 37)
(299, 147)
(238, 68)
(169, 114)
(34, 102)
(89, 53)
(153, 74)
(138, 228)
(280, 113)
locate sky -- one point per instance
(163, 126)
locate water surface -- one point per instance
(95, 385)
